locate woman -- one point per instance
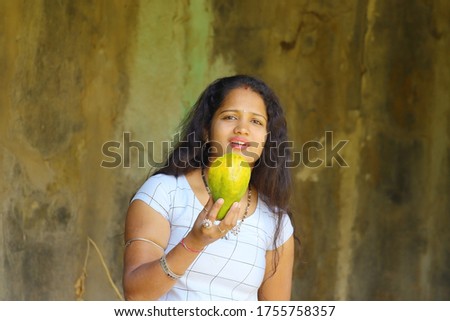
(175, 249)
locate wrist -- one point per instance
(191, 246)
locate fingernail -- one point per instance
(220, 201)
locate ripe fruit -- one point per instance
(228, 178)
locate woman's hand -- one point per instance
(204, 232)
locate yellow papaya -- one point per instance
(228, 178)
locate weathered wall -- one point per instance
(76, 75)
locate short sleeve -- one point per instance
(155, 192)
(286, 231)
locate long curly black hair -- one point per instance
(270, 175)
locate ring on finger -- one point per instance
(206, 223)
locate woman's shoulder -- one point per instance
(274, 219)
(267, 210)
(160, 187)
(159, 182)
(165, 179)
(272, 216)
(162, 178)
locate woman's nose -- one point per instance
(241, 128)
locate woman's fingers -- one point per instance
(214, 209)
(233, 214)
(205, 212)
(208, 215)
(230, 220)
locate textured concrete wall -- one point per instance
(76, 75)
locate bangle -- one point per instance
(127, 243)
(167, 270)
(188, 248)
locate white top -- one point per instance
(231, 268)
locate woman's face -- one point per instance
(240, 125)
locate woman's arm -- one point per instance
(143, 275)
(277, 286)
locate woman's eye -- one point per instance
(229, 117)
(257, 122)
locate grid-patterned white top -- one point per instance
(231, 268)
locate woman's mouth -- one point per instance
(238, 144)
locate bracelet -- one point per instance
(188, 248)
(127, 243)
(167, 270)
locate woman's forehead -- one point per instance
(244, 99)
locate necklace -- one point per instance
(235, 230)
